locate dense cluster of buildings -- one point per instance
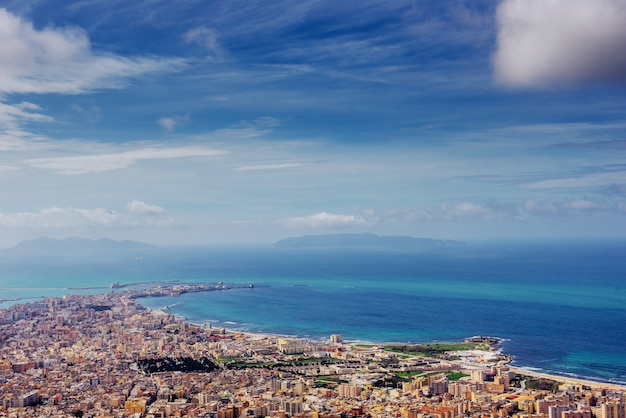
(80, 356)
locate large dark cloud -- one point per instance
(545, 43)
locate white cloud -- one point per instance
(12, 116)
(18, 139)
(446, 211)
(590, 180)
(56, 217)
(555, 42)
(493, 211)
(8, 167)
(206, 38)
(136, 214)
(167, 123)
(60, 60)
(55, 60)
(465, 210)
(137, 206)
(263, 122)
(89, 113)
(325, 220)
(265, 167)
(246, 129)
(538, 207)
(482, 212)
(584, 205)
(570, 207)
(116, 161)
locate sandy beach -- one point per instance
(569, 380)
(519, 370)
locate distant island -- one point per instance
(76, 244)
(363, 240)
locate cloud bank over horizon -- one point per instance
(136, 213)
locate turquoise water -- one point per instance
(561, 307)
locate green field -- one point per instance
(435, 350)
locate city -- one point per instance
(106, 355)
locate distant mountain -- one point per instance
(364, 240)
(76, 244)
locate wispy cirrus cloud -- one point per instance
(207, 38)
(12, 117)
(246, 129)
(580, 180)
(81, 164)
(270, 167)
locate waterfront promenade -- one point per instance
(105, 355)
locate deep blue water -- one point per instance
(561, 307)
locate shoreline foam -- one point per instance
(582, 381)
(497, 347)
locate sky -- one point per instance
(244, 121)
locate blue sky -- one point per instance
(196, 122)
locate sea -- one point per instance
(559, 307)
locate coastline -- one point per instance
(568, 380)
(522, 369)
(124, 358)
(496, 348)
(371, 297)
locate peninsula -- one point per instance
(106, 355)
